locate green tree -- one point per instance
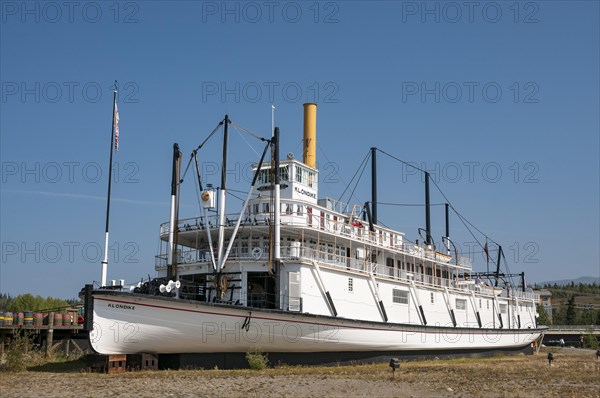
(590, 340)
(559, 315)
(29, 302)
(544, 319)
(571, 315)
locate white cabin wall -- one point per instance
(355, 304)
(397, 312)
(486, 311)
(436, 313)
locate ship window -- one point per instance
(432, 298)
(300, 210)
(284, 173)
(265, 207)
(461, 304)
(479, 303)
(399, 296)
(503, 308)
(289, 208)
(350, 285)
(298, 174)
(264, 176)
(487, 304)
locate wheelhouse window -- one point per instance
(264, 176)
(305, 176)
(284, 173)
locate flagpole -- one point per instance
(112, 143)
(487, 256)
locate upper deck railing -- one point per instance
(296, 214)
(331, 259)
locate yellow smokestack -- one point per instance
(310, 135)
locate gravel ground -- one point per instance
(574, 373)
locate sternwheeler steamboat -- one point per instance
(293, 273)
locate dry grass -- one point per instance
(574, 373)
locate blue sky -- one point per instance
(498, 100)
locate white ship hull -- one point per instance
(128, 324)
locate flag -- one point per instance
(116, 118)
(487, 253)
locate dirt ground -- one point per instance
(574, 373)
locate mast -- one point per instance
(277, 221)
(374, 184)
(427, 211)
(171, 258)
(497, 274)
(369, 217)
(222, 193)
(447, 210)
(112, 143)
(277, 210)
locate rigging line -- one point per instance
(319, 148)
(258, 137)
(235, 196)
(512, 282)
(197, 149)
(400, 160)
(197, 190)
(245, 140)
(238, 191)
(355, 173)
(357, 181)
(460, 217)
(186, 168)
(406, 204)
(209, 136)
(445, 197)
(463, 219)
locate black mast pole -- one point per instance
(110, 163)
(447, 221)
(497, 275)
(374, 185)
(447, 210)
(172, 263)
(225, 139)
(427, 210)
(222, 193)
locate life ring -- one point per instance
(257, 253)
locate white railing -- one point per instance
(344, 227)
(338, 261)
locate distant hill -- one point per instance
(583, 279)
